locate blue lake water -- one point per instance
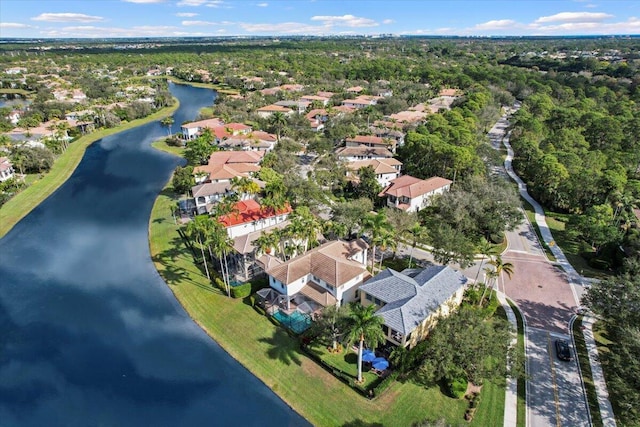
(90, 335)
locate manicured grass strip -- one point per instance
(25, 201)
(274, 357)
(522, 382)
(161, 144)
(531, 216)
(585, 367)
(15, 91)
(605, 345)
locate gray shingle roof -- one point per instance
(409, 300)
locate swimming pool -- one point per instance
(296, 321)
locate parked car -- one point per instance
(563, 350)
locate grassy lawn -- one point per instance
(603, 342)
(274, 357)
(585, 367)
(25, 201)
(522, 383)
(15, 91)
(161, 145)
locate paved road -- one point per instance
(554, 390)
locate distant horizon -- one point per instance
(111, 19)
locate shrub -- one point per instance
(241, 291)
(457, 387)
(599, 263)
(496, 238)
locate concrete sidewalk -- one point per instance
(511, 390)
(606, 412)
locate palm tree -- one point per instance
(245, 186)
(499, 267)
(222, 245)
(487, 250)
(386, 240)
(266, 242)
(196, 230)
(278, 121)
(376, 225)
(167, 122)
(364, 326)
(417, 234)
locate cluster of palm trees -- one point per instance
(208, 233)
(300, 235)
(381, 234)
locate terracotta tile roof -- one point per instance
(5, 164)
(382, 166)
(412, 187)
(249, 211)
(325, 94)
(208, 123)
(210, 188)
(367, 139)
(355, 89)
(330, 262)
(274, 108)
(449, 92)
(314, 98)
(363, 151)
(408, 116)
(226, 157)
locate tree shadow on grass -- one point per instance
(283, 347)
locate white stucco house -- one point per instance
(386, 170)
(411, 301)
(248, 216)
(327, 275)
(412, 194)
(6, 169)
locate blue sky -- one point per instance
(175, 18)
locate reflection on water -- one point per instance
(89, 333)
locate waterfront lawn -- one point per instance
(274, 357)
(26, 200)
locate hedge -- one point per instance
(241, 291)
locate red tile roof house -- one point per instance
(225, 165)
(268, 110)
(362, 101)
(193, 129)
(412, 194)
(249, 216)
(352, 154)
(327, 275)
(386, 170)
(371, 141)
(6, 169)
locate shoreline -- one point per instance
(25, 201)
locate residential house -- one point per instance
(362, 101)
(299, 106)
(193, 129)
(6, 169)
(317, 118)
(207, 195)
(412, 194)
(371, 141)
(327, 275)
(248, 216)
(386, 170)
(268, 110)
(354, 89)
(14, 117)
(255, 141)
(352, 154)
(389, 133)
(408, 117)
(315, 98)
(246, 253)
(410, 302)
(226, 165)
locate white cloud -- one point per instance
(631, 26)
(574, 17)
(285, 28)
(196, 3)
(92, 31)
(14, 25)
(262, 4)
(497, 24)
(186, 14)
(144, 1)
(67, 17)
(388, 21)
(197, 23)
(346, 21)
